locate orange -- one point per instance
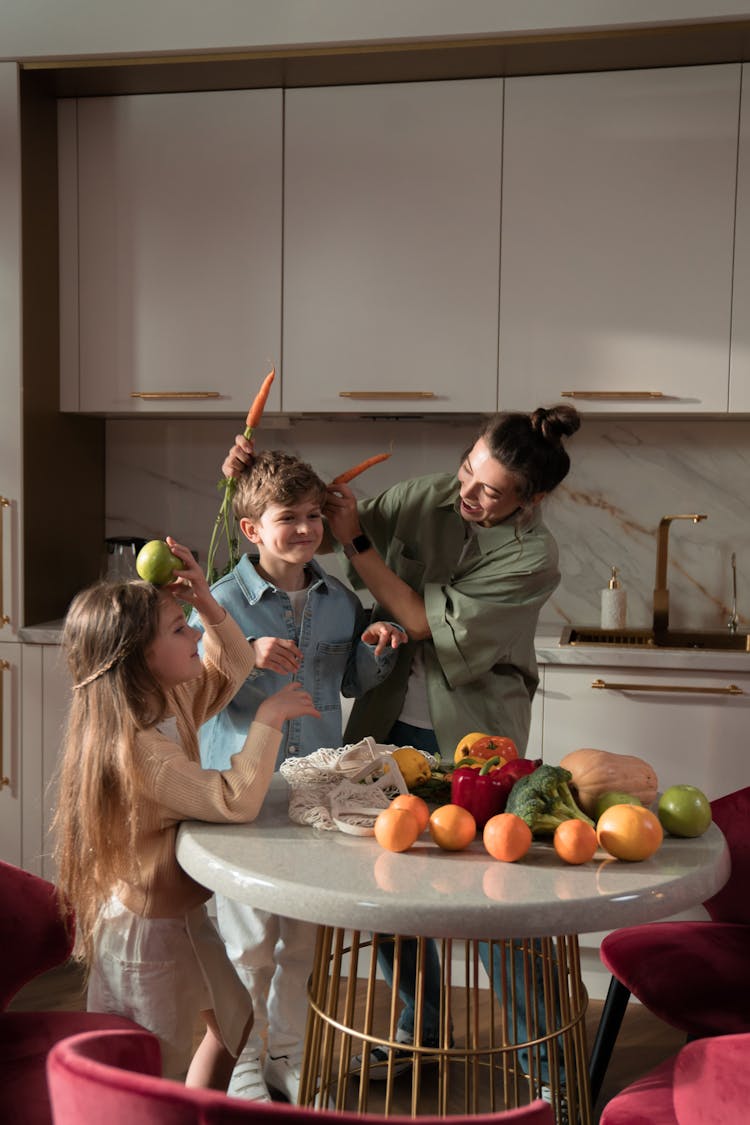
(396, 829)
(575, 841)
(415, 805)
(452, 827)
(629, 832)
(507, 837)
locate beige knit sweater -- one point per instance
(173, 786)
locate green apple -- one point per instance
(156, 563)
(684, 811)
(605, 801)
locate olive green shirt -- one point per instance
(482, 610)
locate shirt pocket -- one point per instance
(331, 658)
(401, 560)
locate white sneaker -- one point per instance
(247, 1079)
(282, 1075)
(545, 1093)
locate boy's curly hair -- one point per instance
(275, 477)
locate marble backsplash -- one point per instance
(625, 475)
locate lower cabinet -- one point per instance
(690, 726)
(35, 690)
(11, 781)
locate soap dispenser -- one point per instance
(614, 603)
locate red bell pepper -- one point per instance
(520, 767)
(482, 791)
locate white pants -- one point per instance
(273, 956)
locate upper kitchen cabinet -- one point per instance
(170, 233)
(391, 247)
(617, 239)
(739, 380)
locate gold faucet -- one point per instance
(661, 593)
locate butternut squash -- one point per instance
(599, 771)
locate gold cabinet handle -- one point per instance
(4, 666)
(4, 619)
(174, 394)
(683, 689)
(625, 395)
(400, 395)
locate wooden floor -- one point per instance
(643, 1042)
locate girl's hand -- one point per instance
(190, 585)
(239, 457)
(288, 703)
(383, 635)
(276, 654)
(340, 509)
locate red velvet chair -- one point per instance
(114, 1078)
(693, 975)
(32, 940)
(707, 1083)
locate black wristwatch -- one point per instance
(358, 544)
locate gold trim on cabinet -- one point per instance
(683, 689)
(174, 394)
(613, 395)
(402, 396)
(4, 619)
(4, 666)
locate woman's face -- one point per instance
(489, 492)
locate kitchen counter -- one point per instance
(548, 651)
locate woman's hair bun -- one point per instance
(555, 423)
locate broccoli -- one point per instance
(543, 799)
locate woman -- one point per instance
(465, 563)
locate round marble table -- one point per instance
(531, 911)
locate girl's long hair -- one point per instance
(108, 629)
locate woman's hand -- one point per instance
(276, 654)
(288, 703)
(340, 510)
(384, 635)
(239, 457)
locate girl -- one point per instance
(130, 773)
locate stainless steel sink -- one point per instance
(646, 638)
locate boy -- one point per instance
(303, 624)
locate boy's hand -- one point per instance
(190, 585)
(239, 457)
(288, 703)
(276, 654)
(384, 635)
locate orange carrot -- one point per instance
(256, 410)
(350, 474)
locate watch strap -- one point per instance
(358, 544)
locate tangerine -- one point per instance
(452, 827)
(507, 837)
(396, 829)
(575, 841)
(629, 832)
(415, 805)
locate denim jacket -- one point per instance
(335, 661)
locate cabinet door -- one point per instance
(739, 370)
(618, 213)
(177, 261)
(11, 782)
(689, 737)
(391, 247)
(10, 350)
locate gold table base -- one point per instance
(482, 1063)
